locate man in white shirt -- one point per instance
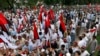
(32, 45)
(84, 52)
(81, 42)
(68, 40)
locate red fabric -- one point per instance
(60, 54)
(42, 9)
(62, 25)
(1, 40)
(51, 14)
(48, 43)
(3, 21)
(47, 23)
(40, 17)
(20, 27)
(92, 30)
(61, 17)
(36, 36)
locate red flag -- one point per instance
(1, 40)
(40, 17)
(42, 9)
(61, 17)
(62, 26)
(36, 36)
(3, 22)
(47, 24)
(51, 14)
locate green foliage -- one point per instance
(32, 2)
(3, 5)
(9, 3)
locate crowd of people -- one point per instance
(46, 31)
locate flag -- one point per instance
(40, 17)
(62, 26)
(36, 36)
(47, 24)
(42, 9)
(51, 14)
(3, 22)
(61, 17)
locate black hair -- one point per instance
(62, 46)
(68, 33)
(78, 52)
(94, 37)
(80, 37)
(18, 54)
(40, 33)
(70, 51)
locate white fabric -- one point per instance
(23, 55)
(88, 16)
(5, 35)
(20, 21)
(82, 43)
(10, 45)
(47, 36)
(86, 39)
(2, 45)
(52, 26)
(88, 35)
(85, 53)
(75, 49)
(60, 34)
(54, 36)
(68, 39)
(32, 45)
(68, 54)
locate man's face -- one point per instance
(62, 47)
(18, 43)
(33, 40)
(82, 49)
(26, 43)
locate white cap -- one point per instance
(68, 54)
(42, 50)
